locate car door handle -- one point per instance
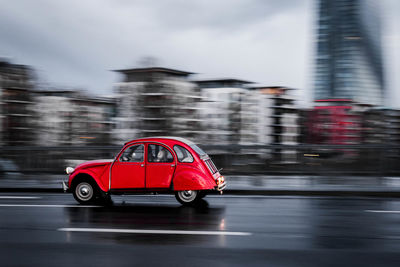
(172, 165)
(141, 165)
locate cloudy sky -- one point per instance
(76, 43)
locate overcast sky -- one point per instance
(76, 43)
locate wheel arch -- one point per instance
(192, 179)
(84, 177)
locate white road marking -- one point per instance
(47, 206)
(147, 231)
(383, 211)
(18, 197)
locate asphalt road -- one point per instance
(53, 230)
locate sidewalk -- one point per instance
(259, 185)
(315, 185)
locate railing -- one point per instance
(375, 160)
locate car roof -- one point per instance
(180, 139)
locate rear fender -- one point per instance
(192, 179)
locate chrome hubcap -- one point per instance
(187, 195)
(84, 191)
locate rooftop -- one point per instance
(271, 87)
(224, 80)
(272, 90)
(222, 83)
(154, 70)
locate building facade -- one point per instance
(349, 54)
(221, 110)
(255, 118)
(16, 84)
(234, 113)
(70, 117)
(156, 102)
(336, 123)
(282, 126)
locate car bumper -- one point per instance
(65, 186)
(221, 187)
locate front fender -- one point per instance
(192, 179)
(95, 173)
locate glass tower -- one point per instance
(348, 58)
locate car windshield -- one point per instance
(198, 150)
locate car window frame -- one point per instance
(135, 144)
(174, 159)
(177, 157)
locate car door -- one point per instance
(128, 171)
(160, 166)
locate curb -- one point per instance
(276, 192)
(332, 193)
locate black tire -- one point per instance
(85, 192)
(187, 197)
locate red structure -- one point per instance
(334, 122)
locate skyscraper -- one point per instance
(348, 58)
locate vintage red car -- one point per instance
(148, 165)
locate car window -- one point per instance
(157, 153)
(133, 153)
(183, 154)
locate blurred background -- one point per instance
(305, 87)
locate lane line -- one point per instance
(144, 231)
(383, 211)
(18, 197)
(47, 206)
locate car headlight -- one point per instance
(69, 170)
(220, 180)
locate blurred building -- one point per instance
(392, 129)
(156, 101)
(336, 122)
(349, 54)
(224, 102)
(283, 127)
(379, 126)
(344, 122)
(234, 113)
(256, 117)
(69, 117)
(304, 125)
(16, 84)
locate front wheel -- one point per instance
(85, 193)
(187, 197)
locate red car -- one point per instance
(148, 165)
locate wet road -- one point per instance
(52, 230)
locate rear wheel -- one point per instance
(187, 197)
(85, 192)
